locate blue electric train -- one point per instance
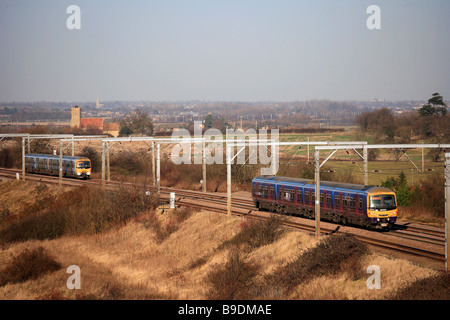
(76, 167)
(344, 203)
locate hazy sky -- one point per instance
(223, 50)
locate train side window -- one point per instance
(289, 195)
(307, 196)
(352, 201)
(299, 195)
(263, 191)
(336, 200)
(328, 198)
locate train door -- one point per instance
(329, 201)
(299, 196)
(272, 193)
(361, 205)
(295, 196)
(351, 204)
(344, 203)
(263, 192)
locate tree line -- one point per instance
(429, 123)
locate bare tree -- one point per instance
(137, 122)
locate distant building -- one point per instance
(111, 128)
(77, 121)
(96, 123)
(98, 103)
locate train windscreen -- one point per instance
(382, 202)
(83, 165)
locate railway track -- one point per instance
(417, 240)
(424, 234)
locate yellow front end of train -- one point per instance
(382, 208)
(83, 168)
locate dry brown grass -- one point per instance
(29, 264)
(82, 210)
(422, 215)
(436, 287)
(19, 198)
(130, 263)
(136, 261)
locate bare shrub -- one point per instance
(254, 234)
(164, 230)
(182, 214)
(43, 199)
(181, 175)
(244, 174)
(30, 264)
(336, 254)
(430, 195)
(10, 157)
(432, 288)
(84, 210)
(39, 226)
(95, 211)
(420, 214)
(127, 163)
(5, 214)
(234, 279)
(299, 170)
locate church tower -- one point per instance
(75, 121)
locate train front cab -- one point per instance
(382, 207)
(83, 168)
